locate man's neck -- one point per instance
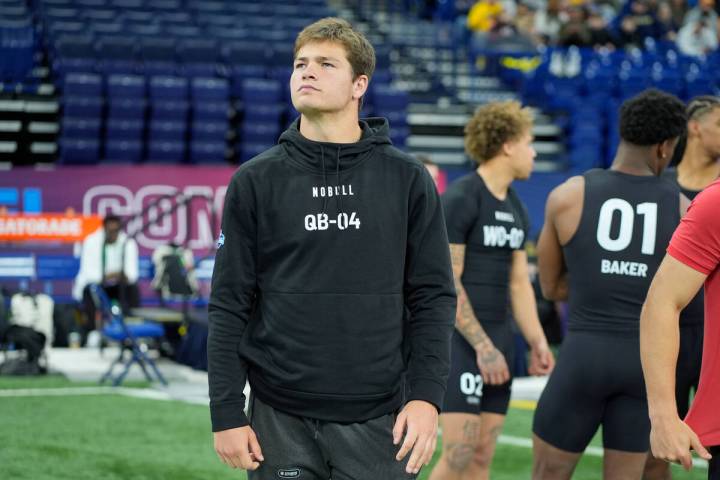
(633, 160)
(497, 177)
(697, 169)
(338, 127)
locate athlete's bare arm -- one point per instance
(674, 285)
(491, 361)
(562, 218)
(524, 308)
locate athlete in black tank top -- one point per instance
(626, 223)
(698, 167)
(604, 237)
(487, 227)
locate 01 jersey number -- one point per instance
(627, 220)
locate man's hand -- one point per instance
(419, 421)
(542, 360)
(672, 439)
(492, 365)
(238, 448)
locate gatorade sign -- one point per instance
(47, 228)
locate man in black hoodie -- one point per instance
(332, 292)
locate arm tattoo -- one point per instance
(465, 321)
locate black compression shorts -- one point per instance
(466, 392)
(598, 380)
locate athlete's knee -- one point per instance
(549, 468)
(484, 453)
(483, 458)
(459, 456)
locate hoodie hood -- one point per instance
(322, 156)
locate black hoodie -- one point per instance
(324, 247)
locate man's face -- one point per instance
(112, 230)
(322, 80)
(522, 156)
(708, 131)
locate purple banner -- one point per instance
(194, 194)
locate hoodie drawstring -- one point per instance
(337, 181)
(322, 157)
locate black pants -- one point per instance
(25, 338)
(297, 447)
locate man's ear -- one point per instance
(360, 86)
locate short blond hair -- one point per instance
(493, 125)
(360, 53)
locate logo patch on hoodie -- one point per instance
(289, 473)
(221, 240)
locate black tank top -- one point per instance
(626, 225)
(694, 312)
(491, 229)
(671, 174)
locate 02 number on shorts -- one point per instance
(471, 384)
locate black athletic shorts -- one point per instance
(598, 380)
(308, 449)
(466, 392)
(687, 375)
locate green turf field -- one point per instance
(116, 437)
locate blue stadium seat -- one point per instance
(123, 129)
(165, 151)
(265, 133)
(209, 131)
(82, 107)
(199, 57)
(109, 29)
(118, 54)
(390, 98)
(126, 86)
(79, 151)
(17, 45)
(244, 60)
(211, 111)
(207, 152)
(83, 84)
(169, 109)
(173, 131)
(164, 6)
(268, 113)
(168, 88)
(158, 55)
(123, 108)
(209, 90)
(74, 53)
(123, 151)
(261, 91)
(80, 128)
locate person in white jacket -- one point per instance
(108, 258)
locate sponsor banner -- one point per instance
(161, 204)
(53, 228)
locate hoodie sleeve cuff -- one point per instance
(428, 391)
(227, 416)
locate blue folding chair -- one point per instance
(129, 336)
